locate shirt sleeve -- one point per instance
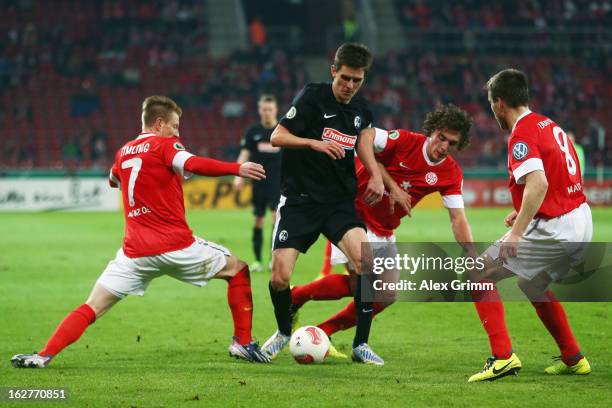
(247, 141)
(523, 156)
(302, 111)
(452, 195)
(174, 156)
(386, 146)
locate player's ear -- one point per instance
(333, 70)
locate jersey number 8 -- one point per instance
(563, 143)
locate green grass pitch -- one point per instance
(169, 348)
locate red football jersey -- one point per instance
(538, 143)
(148, 170)
(404, 155)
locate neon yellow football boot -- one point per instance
(496, 368)
(582, 367)
(334, 353)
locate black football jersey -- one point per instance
(257, 141)
(316, 114)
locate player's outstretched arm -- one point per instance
(282, 137)
(462, 231)
(243, 157)
(536, 186)
(215, 168)
(365, 151)
(396, 194)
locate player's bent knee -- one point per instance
(279, 281)
(232, 267)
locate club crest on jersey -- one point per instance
(357, 122)
(347, 142)
(179, 146)
(394, 134)
(431, 178)
(520, 150)
(291, 113)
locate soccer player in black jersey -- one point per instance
(318, 136)
(256, 147)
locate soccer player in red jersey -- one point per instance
(158, 241)
(413, 165)
(550, 227)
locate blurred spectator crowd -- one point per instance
(70, 93)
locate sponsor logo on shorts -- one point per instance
(283, 235)
(520, 150)
(347, 142)
(431, 178)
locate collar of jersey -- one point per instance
(143, 135)
(527, 112)
(427, 157)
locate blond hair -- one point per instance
(158, 106)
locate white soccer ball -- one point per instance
(308, 345)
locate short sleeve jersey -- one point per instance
(257, 141)
(316, 114)
(149, 170)
(538, 143)
(404, 155)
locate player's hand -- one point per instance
(374, 191)
(509, 246)
(401, 198)
(252, 170)
(238, 183)
(510, 218)
(332, 149)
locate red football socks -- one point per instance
(553, 316)
(69, 330)
(240, 300)
(330, 287)
(327, 268)
(491, 312)
(346, 318)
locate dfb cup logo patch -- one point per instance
(291, 113)
(431, 178)
(520, 150)
(179, 146)
(282, 236)
(357, 122)
(394, 134)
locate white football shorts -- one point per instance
(550, 246)
(196, 264)
(338, 257)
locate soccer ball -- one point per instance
(308, 345)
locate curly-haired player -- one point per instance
(413, 165)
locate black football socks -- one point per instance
(282, 309)
(363, 308)
(257, 242)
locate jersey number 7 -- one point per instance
(135, 164)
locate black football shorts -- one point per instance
(298, 224)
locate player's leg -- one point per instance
(283, 263)
(120, 278)
(351, 245)
(490, 309)
(70, 329)
(297, 228)
(240, 301)
(259, 212)
(551, 313)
